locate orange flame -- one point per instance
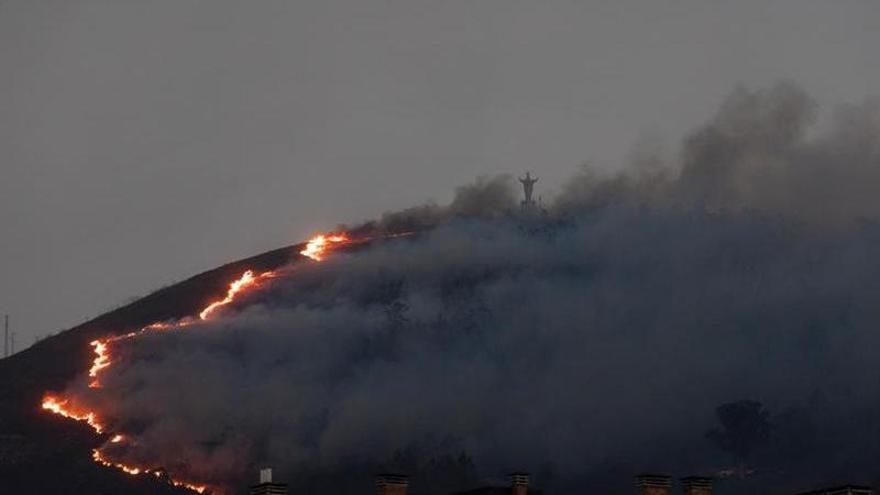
(317, 248)
(102, 360)
(134, 471)
(244, 282)
(64, 408)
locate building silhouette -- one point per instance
(653, 484)
(842, 490)
(266, 486)
(519, 485)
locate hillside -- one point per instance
(45, 453)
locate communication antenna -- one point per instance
(5, 335)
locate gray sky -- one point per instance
(143, 142)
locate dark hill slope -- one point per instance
(43, 453)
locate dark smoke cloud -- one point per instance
(754, 155)
(596, 338)
(486, 198)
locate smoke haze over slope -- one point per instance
(603, 333)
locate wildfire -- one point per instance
(63, 407)
(246, 281)
(134, 471)
(101, 361)
(317, 248)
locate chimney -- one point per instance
(697, 485)
(653, 484)
(519, 483)
(391, 484)
(267, 486)
(266, 475)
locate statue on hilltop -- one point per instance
(528, 184)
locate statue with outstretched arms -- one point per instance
(528, 185)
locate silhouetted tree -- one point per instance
(745, 426)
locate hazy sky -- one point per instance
(145, 141)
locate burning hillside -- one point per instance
(598, 334)
(68, 407)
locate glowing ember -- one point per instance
(318, 246)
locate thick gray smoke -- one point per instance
(597, 338)
(754, 157)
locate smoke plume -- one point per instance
(596, 337)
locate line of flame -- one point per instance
(318, 246)
(316, 249)
(134, 471)
(246, 281)
(62, 407)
